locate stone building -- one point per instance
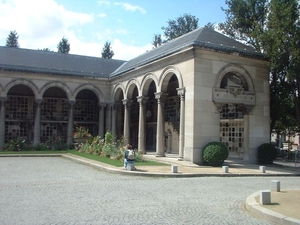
(198, 88)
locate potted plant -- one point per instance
(81, 134)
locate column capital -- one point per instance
(3, 99)
(180, 91)
(39, 101)
(127, 102)
(142, 99)
(161, 96)
(101, 105)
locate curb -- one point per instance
(254, 207)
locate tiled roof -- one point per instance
(38, 61)
(203, 37)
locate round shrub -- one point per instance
(266, 153)
(214, 153)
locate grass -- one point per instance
(106, 160)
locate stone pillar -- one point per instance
(2, 122)
(108, 118)
(70, 122)
(141, 137)
(181, 92)
(101, 119)
(126, 132)
(160, 134)
(169, 148)
(114, 108)
(37, 122)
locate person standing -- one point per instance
(129, 156)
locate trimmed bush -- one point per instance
(214, 153)
(266, 153)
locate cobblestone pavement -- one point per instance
(55, 190)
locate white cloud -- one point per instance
(103, 2)
(127, 52)
(129, 7)
(39, 24)
(101, 15)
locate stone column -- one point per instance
(101, 119)
(108, 118)
(2, 122)
(37, 122)
(126, 133)
(181, 92)
(70, 122)
(141, 138)
(160, 134)
(113, 108)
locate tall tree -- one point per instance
(271, 27)
(12, 40)
(157, 40)
(107, 51)
(181, 25)
(63, 46)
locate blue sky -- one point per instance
(128, 24)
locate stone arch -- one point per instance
(25, 82)
(91, 88)
(132, 84)
(117, 91)
(166, 75)
(237, 70)
(58, 85)
(147, 80)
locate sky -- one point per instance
(129, 25)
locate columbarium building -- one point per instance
(198, 88)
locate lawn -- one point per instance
(106, 160)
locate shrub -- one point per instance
(17, 144)
(266, 153)
(214, 153)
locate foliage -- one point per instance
(63, 46)
(17, 144)
(12, 40)
(266, 153)
(107, 52)
(214, 153)
(157, 40)
(273, 28)
(81, 132)
(181, 25)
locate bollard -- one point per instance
(265, 197)
(225, 169)
(262, 169)
(174, 169)
(275, 185)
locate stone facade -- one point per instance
(176, 98)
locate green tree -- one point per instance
(63, 46)
(107, 52)
(12, 40)
(157, 40)
(45, 49)
(181, 25)
(271, 27)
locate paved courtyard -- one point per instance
(55, 190)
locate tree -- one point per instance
(45, 49)
(181, 25)
(63, 46)
(273, 28)
(157, 40)
(12, 40)
(210, 25)
(107, 52)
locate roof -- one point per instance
(203, 37)
(39, 61)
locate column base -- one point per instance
(160, 155)
(180, 159)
